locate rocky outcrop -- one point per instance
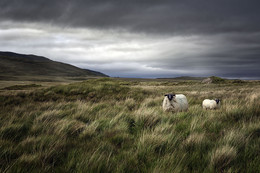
(207, 81)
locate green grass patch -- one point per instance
(22, 87)
(110, 125)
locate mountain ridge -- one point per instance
(15, 64)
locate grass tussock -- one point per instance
(222, 157)
(105, 125)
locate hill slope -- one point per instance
(185, 78)
(13, 64)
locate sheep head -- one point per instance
(170, 96)
(217, 101)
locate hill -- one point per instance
(185, 78)
(14, 64)
(219, 80)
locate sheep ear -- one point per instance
(166, 95)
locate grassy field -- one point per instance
(113, 125)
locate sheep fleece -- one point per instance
(177, 104)
(209, 104)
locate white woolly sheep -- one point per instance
(175, 103)
(211, 104)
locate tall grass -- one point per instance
(106, 125)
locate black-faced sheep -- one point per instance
(211, 104)
(175, 103)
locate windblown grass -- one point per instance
(105, 125)
(21, 87)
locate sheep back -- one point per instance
(177, 104)
(210, 104)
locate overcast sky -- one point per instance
(138, 38)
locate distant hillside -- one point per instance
(219, 80)
(185, 78)
(13, 64)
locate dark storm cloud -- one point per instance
(200, 16)
(224, 59)
(227, 34)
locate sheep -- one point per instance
(211, 104)
(175, 103)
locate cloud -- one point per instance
(138, 38)
(179, 17)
